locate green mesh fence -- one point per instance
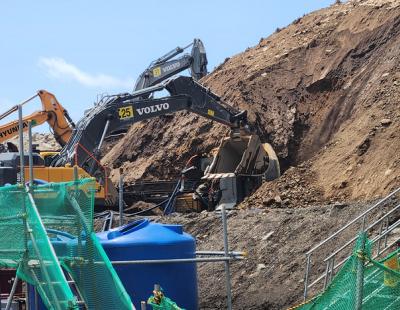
(362, 283)
(25, 245)
(67, 208)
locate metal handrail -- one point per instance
(331, 267)
(353, 221)
(366, 229)
(389, 230)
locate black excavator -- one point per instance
(167, 66)
(240, 163)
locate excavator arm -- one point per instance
(166, 66)
(52, 112)
(57, 117)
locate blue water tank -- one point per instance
(143, 240)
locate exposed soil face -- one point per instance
(325, 92)
(324, 89)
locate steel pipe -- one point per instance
(21, 146)
(176, 260)
(30, 155)
(226, 250)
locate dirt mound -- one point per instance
(325, 91)
(44, 141)
(325, 88)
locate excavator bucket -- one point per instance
(198, 68)
(239, 167)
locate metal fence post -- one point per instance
(121, 196)
(360, 273)
(13, 289)
(30, 154)
(21, 145)
(227, 266)
(308, 265)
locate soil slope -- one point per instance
(324, 89)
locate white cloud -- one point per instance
(58, 68)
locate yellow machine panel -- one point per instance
(66, 174)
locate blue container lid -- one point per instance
(145, 232)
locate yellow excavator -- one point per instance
(52, 112)
(62, 128)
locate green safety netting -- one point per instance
(25, 245)
(362, 283)
(65, 210)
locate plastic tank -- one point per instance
(143, 240)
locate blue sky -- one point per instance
(79, 49)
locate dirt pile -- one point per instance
(43, 141)
(325, 89)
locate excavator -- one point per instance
(239, 166)
(52, 112)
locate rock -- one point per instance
(261, 267)
(386, 122)
(267, 236)
(388, 171)
(343, 184)
(278, 199)
(363, 147)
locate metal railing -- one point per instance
(380, 227)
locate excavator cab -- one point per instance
(238, 168)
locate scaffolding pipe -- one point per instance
(227, 266)
(360, 274)
(21, 146)
(176, 260)
(16, 107)
(231, 253)
(121, 196)
(13, 289)
(30, 155)
(307, 273)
